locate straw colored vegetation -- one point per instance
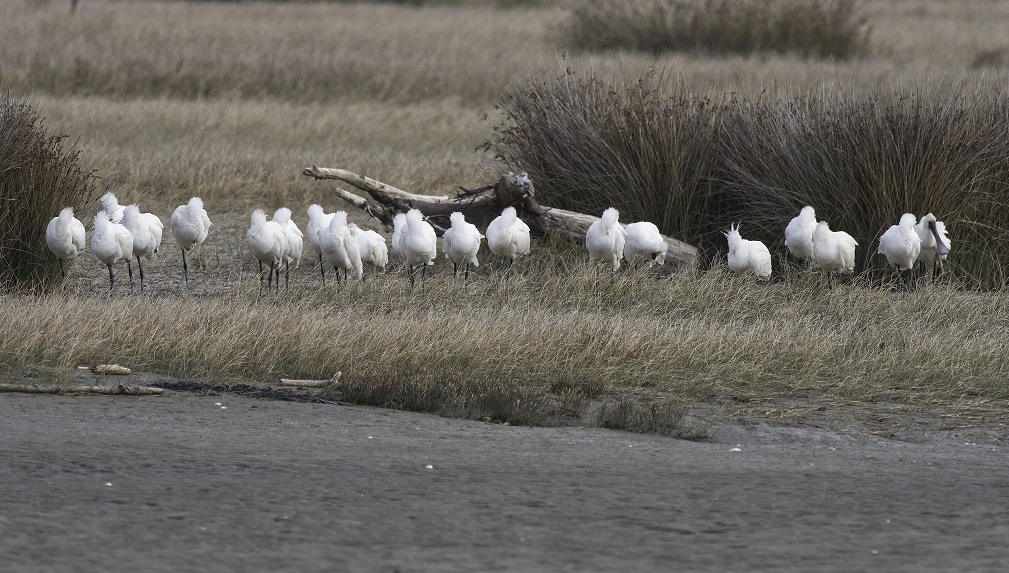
(229, 101)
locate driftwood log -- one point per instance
(480, 206)
(118, 389)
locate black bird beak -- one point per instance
(940, 247)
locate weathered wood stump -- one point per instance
(480, 206)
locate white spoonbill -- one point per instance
(605, 238)
(65, 237)
(112, 207)
(643, 241)
(900, 244)
(746, 255)
(935, 244)
(374, 251)
(460, 243)
(146, 229)
(508, 236)
(112, 244)
(799, 234)
(317, 220)
(294, 243)
(340, 248)
(190, 226)
(833, 251)
(418, 244)
(268, 243)
(398, 224)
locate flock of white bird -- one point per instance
(909, 242)
(124, 233)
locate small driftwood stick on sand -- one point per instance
(110, 369)
(118, 389)
(311, 383)
(480, 206)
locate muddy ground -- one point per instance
(188, 482)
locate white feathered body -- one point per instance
(317, 220)
(508, 235)
(643, 241)
(190, 224)
(418, 241)
(266, 239)
(799, 234)
(111, 206)
(900, 243)
(339, 247)
(746, 255)
(294, 239)
(146, 229)
(374, 250)
(461, 241)
(65, 235)
(605, 238)
(928, 254)
(833, 251)
(111, 242)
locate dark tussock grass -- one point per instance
(40, 174)
(694, 165)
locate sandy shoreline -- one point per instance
(279, 486)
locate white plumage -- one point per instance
(508, 236)
(65, 237)
(268, 243)
(190, 226)
(935, 244)
(900, 243)
(111, 243)
(398, 224)
(374, 251)
(745, 255)
(294, 243)
(317, 220)
(799, 234)
(460, 243)
(340, 248)
(833, 251)
(418, 243)
(605, 238)
(146, 229)
(112, 208)
(643, 241)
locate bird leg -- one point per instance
(112, 279)
(409, 274)
(260, 277)
(322, 269)
(278, 278)
(129, 268)
(269, 280)
(287, 276)
(185, 268)
(62, 272)
(141, 267)
(465, 276)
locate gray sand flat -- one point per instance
(176, 483)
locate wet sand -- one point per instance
(178, 483)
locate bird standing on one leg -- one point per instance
(295, 243)
(833, 251)
(508, 236)
(799, 235)
(317, 220)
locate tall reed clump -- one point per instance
(820, 28)
(694, 165)
(39, 176)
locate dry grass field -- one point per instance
(229, 101)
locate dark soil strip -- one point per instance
(246, 390)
